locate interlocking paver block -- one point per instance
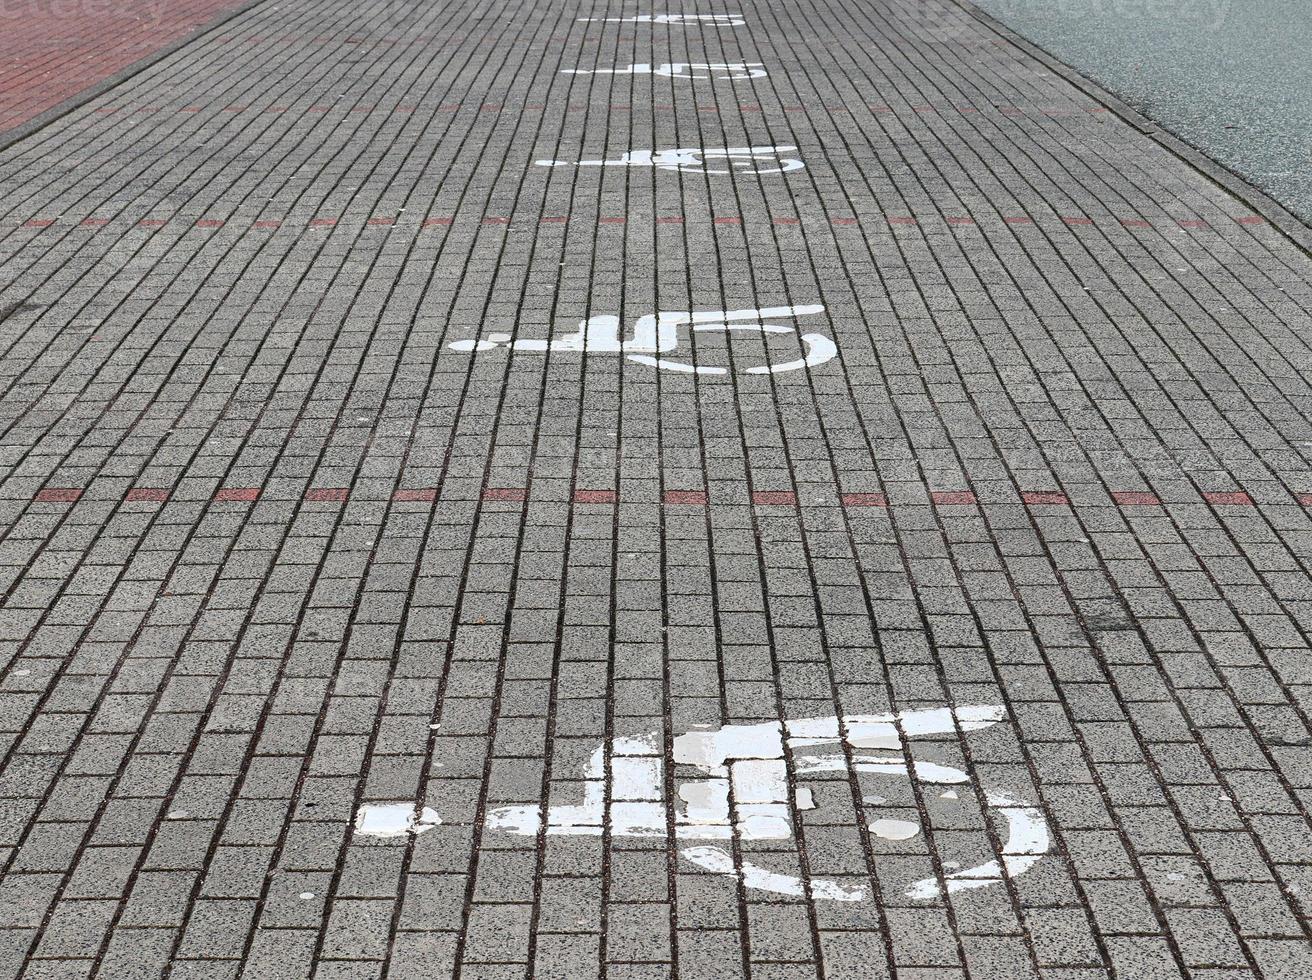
(561, 491)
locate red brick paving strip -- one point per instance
(685, 496)
(952, 497)
(51, 51)
(594, 496)
(1135, 498)
(865, 500)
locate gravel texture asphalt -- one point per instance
(1232, 78)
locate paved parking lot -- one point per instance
(548, 489)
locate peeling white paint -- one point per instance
(890, 829)
(730, 71)
(394, 819)
(759, 781)
(656, 336)
(1027, 841)
(700, 160)
(710, 20)
(720, 861)
(742, 788)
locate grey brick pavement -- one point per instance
(975, 647)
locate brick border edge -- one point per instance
(15, 135)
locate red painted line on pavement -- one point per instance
(774, 498)
(512, 494)
(550, 220)
(843, 221)
(1135, 223)
(494, 220)
(267, 224)
(1044, 497)
(153, 222)
(670, 220)
(58, 495)
(382, 221)
(685, 496)
(864, 500)
(611, 221)
(209, 223)
(960, 220)
(728, 221)
(433, 222)
(595, 496)
(155, 494)
(1018, 219)
(1193, 223)
(38, 222)
(322, 222)
(1251, 219)
(1236, 498)
(334, 494)
(901, 220)
(237, 493)
(788, 221)
(1304, 498)
(944, 498)
(420, 495)
(1072, 220)
(1135, 498)
(94, 222)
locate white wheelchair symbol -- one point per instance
(720, 71)
(710, 20)
(657, 335)
(743, 792)
(694, 159)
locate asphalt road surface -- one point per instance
(1232, 78)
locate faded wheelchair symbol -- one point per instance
(698, 70)
(700, 160)
(710, 20)
(656, 335)
(742, 791)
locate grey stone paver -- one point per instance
(272, 549)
